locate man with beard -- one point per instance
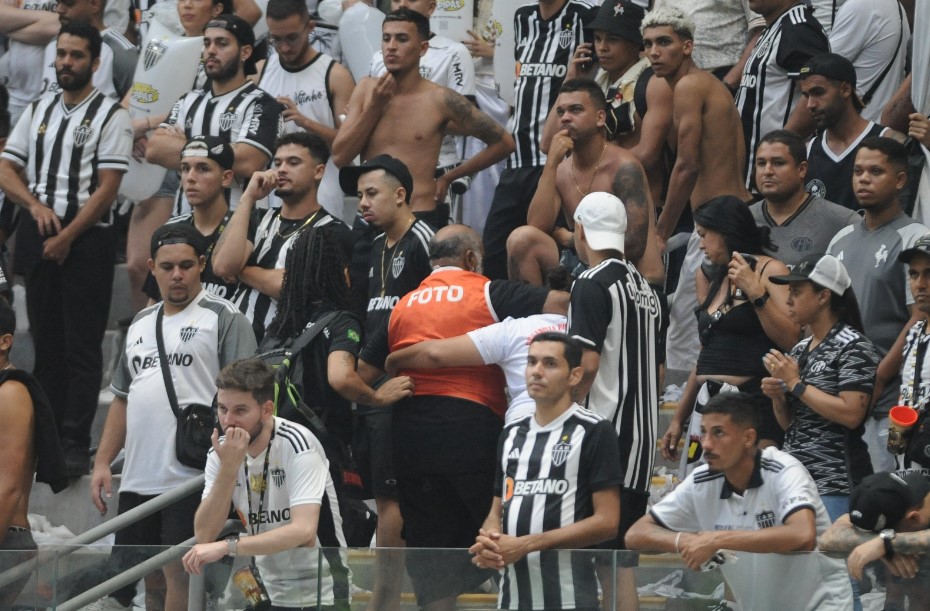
(828, 84)
(74, 148)
(313, 87)
(406, 116)
(233, 108)
(202, 333)
(580, 161)
(252, 248)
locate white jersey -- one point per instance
(779, 486)
(24, 63)
(62, 149)
(869, 33)
(103, 76)
(309, 87)
(299, 475)
(199, 341)
(507, 344)
(447, 63)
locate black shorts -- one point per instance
(169, 526)
(373, 448)
(633, 506)
(444, 511)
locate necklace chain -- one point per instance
(393, 254)
(305, 223)
(593, 175)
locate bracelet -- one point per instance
(677, 538)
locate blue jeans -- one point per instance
(837, 505)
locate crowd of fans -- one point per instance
(715, 190)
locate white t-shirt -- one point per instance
(867, 32)
(299, 475)
(507, 344)
(780, 485)
(208, 334)
(447, 63)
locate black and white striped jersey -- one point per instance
(246, 114)
(271, 238)
(766, 95)
(63, 149)
(616, 313)
(543, 49)
(546, 479)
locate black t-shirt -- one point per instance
(392, 273)
(341, 334)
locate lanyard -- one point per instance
(264, 485)
(917, 362)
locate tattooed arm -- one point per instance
(630, 185)
(466, 120)
(865, 547)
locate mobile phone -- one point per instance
(752, 260)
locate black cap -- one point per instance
(882, 499)
(178, 233)
(619, 18)
(243, 32)
(834, 67)
(920, 247)
(211, 147)
(349, 175)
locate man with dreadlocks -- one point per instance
(315, 285)
(254, 248)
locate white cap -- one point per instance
(825, 270)
(604, 220)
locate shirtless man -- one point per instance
(406, 116)
(710, 158)
(581, 160)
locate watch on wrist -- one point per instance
(759, 302)
(232, 542)
(798, 389)
(887, 536)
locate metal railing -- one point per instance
(107, 528)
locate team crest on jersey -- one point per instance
(42, 129)
(763, 48)
(817, 188)
(566, 36)
(82, 133)
(277, 476)
(397, 265)
(765, 519)
(154, 51)
(188, 333)
(228, 119)
(561, 451)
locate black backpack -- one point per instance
(358, 520)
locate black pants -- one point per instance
(511, 202)
(68, 306)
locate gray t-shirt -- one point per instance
(880, 282)
(808, 231)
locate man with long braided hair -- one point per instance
(314, 285)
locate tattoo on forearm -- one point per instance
(629, 185)
(472, 120)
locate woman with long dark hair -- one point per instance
(821, 390)
(742, 315)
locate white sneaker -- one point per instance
(107, 603)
